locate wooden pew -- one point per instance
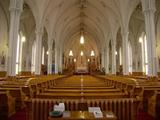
(17, 94)
(79, 87)
(81, 95)
(2, 78)
(146, 90)
(25, 73)
(125, 109)
(151, 102)
(3, 74)
(28, 91)
(7, 105)
(82, 90)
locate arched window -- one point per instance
(43, 53)
(120, 56)
(143, 42)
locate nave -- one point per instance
(127, 98)
(83, 53)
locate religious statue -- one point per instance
(2, 58)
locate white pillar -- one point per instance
(16, 7)
(50, 44)
(29, 57)
(149, 13)
(136, 62)
(125, 52)
(60, 60)
(28, 62)
(56, 58)
(107, 60)
(102, 59)
(38, 59)
(113, 58)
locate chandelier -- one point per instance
(70, 53)
(82, 39)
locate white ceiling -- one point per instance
(101, 19)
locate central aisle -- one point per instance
(81, 80)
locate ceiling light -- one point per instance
(82, 53)
(92, 53)
(82, 39)
(70, 53)
(116, 53)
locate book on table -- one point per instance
(96, 112)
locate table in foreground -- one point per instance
(82, 115)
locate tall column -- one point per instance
(56, 59)
(107, 60)
(50, 44)
(28, 61)
(60, 60)
(125, 52)
(136, 63)
(102, 59)
(29, 57)
(149, 13)
(38, 58)
(113, 57)
(16, 7)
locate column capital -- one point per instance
(113, 43)
(106, 48)
(124, 33)
(16, 5)
(148, 6)
(102, 51)
(50, 42)
(39, 31)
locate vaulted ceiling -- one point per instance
(99, 19)
(63, 20)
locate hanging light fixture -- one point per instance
(82, 39)
(70, 53)
(75, 60)
(92, 53)
(116, 53)
(82, 53)
(82, 34)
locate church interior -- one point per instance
(79, 59)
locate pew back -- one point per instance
(125, 109)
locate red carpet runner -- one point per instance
(20, 115)
(144, 116)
